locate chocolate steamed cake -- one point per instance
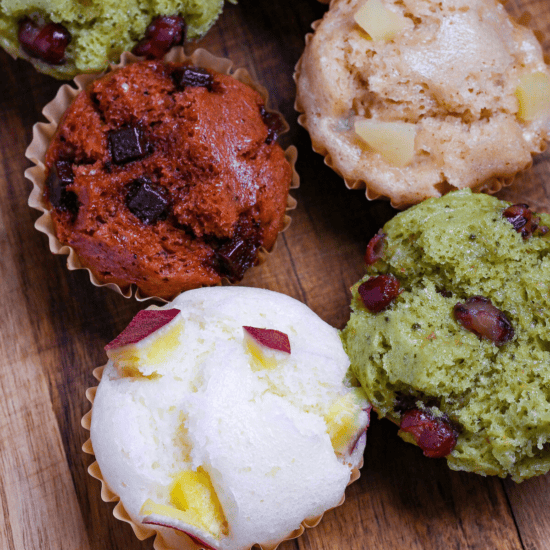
(167, 176)
(449, 332)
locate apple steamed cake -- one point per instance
(415, 98)
(225, 415)
(64, 38)
(449, 332)
(168, 177)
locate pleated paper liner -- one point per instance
(43, 133)
(166, 538)
(490, 186)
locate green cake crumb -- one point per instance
(444, 251)
(100, 29)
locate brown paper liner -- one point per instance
(184, 542)
(490, 186)
(53, 111)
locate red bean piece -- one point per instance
(47, 43)
(480, 316)
(28, 32)
(435, 436)
(379, 292)
(162, 33)
(522, 219)
(375, 248)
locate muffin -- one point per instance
(167, 176)
(414, 98)
(225, 418)
(64, 39)
(449, 332)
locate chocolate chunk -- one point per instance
(235, 256)
(64, 171)
(192, 76)
(274, 124)
(60, 176)
(127, 144)
(147, 201)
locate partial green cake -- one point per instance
(466, 378)
(99, 30)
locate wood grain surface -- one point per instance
(54, 325)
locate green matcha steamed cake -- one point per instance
(449, 333)
(98, 30)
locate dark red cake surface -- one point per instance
(168, 177)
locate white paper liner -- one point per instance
(490, 186)
(53, 111)
(184, 542)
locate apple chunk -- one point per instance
(261, 343)
(347, 418)
(393, 140)
(133, 353)
(379, 22)
(533, 93)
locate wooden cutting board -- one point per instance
(54, 325)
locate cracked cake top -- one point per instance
(414, 98)
(204, 426)
(449, 332)
(167, 176)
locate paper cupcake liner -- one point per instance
(183, 541)
(490, 186)
(53, 111)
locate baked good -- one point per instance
(64, 39)
(167, 176)
(225, 416)
(414, 98)
(449, 332)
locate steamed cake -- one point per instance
(168, 177)
(99, 30)
(268, 438)
(444, 95)
(484, 378)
